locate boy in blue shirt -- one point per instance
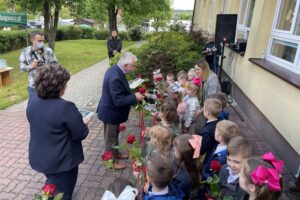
(160, 173)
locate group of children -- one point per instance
(180, 159)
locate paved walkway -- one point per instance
(19, 182)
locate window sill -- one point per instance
(234, 50)
(282, 73)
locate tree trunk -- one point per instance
(51, 22)
(112, 16)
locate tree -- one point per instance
(133, 11)
(9, 5)
(161, 17)
(94, 9)
(51, 10)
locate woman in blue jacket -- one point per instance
(56, 130)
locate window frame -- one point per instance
(242, 27)
(287, 36)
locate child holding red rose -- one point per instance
(225, 131)
(239, 150)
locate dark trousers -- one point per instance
(111, 137)
(64, 181)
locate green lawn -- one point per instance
(75, 55)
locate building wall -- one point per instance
(276, 99)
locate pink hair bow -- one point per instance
(268, 176)
(277, 164)
(197, 81)
(195, 142)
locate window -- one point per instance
(284, 46)
(244, 18)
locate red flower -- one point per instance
(158, 79)
(215, 165)
(130, 139)
(107, 155)
(122, 127)
(49, 188)
(142, 90)
(158, 96)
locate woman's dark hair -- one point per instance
(50, 80)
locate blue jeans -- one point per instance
(64, 181)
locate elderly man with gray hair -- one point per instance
(115, 103)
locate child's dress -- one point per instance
(192, 105)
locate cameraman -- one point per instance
(212, 51)
(35, 56)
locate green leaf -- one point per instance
(209, 180)
(108, 164)
(214, 188)
(37, 197)
(228, 198)
(116, 147)
(59, 196)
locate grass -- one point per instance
(75, 55)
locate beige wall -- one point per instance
(275, 98)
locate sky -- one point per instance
(184, 4)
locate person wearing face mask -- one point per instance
(35, 56)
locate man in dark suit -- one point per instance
(115, 102)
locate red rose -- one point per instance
(158, 79)
(130, 139)
(158, 96)
(215, 165)
(107, 155)
(122, 127)
(49, 188)
(142, 90)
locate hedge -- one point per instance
(12, 40)
(16, 39)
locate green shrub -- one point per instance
(87, 33)
(137, 33)
(177, 26)
(168, 51)
(72, 33)
(123, 35)
(101, 34)
(69, 33)
(12, 40)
